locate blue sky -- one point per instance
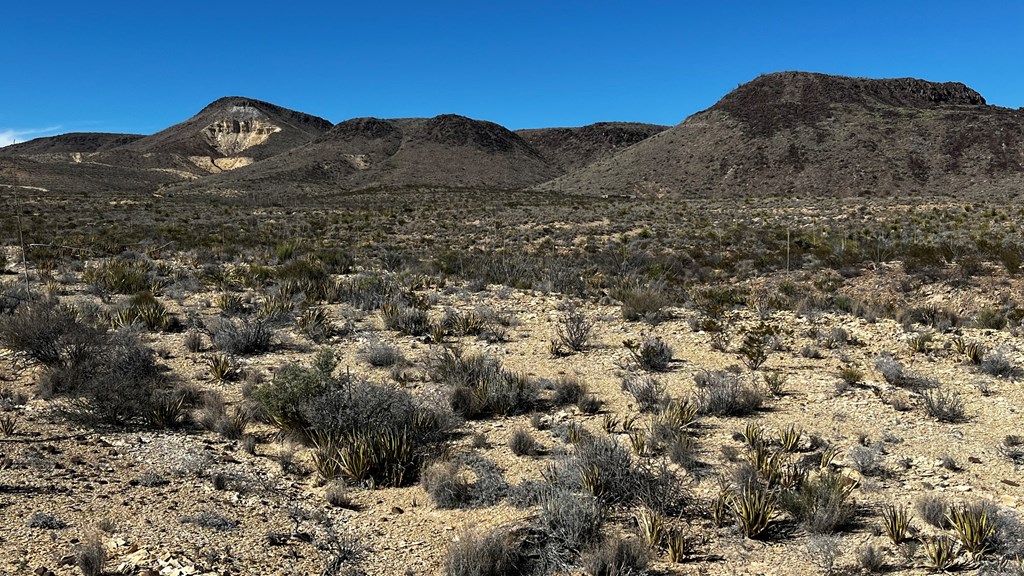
(140, 66)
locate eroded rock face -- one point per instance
(244, 128)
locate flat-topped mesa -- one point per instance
(785, 100)
(809, 87)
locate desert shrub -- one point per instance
(106, 377)
(998, 363)
(824, 550)
(446, 484)
(589, 404)
(721, 393)
(368, 291)
(648, 391)
(365, 431)
(212, 520)
(990, 319)
(52, 334)
(522, 443)
(864, 459)
(12, 295)
(46, 521)
(936, 317)
(242, 337)
(405, 319)
(653, 354)
(337, 495)
(894, 373)
(380, 354)
(498, 553)
(572, 520)
(194, 341)
(944, 405)
(316, 324)
(616, 557)
(574, 329)
(642, 303)
(822, 504)
(851, 375)
(757, 343)
(479, 387)
(91, 555)
(933, 509)
(229, 303)
(121, 275)
(603, 468)
(568, 390)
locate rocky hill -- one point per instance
(804, 133)
(573, 148)
(64, 145)
(443, 151)
(228, 133)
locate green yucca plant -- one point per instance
(896, 522)
(229, 303)
(974, 527)
(679, 414)
(629, 423)
(154, 316)
(721, 508)
(221, 367)
(678, 546)
(940, 553)
(274, 307)
(315, 323)
(753, 508)
(610, 423)
(167, 411)
(124, 318)
(651, 525)
(753, 435)
(768, 463)
(592, 480)
(8, 423)
(638, 440)
(356, 460)
(789, 438)
(573, 432)
(828, 455)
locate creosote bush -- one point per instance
(497, 553)
(616, 557)
(722, 393)
(478, 386)
(243, 337)
(106, 377)
(653, 354)
(367, 432)
(574, 329)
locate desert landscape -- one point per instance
(781, 336)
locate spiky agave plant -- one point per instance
(896, 522)
(651, 525)
(754, 507)
(974, 527)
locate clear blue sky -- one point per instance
(140, 66)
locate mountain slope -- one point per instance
(573, 148)
(804, 133)
(226, 134)
(70, 143)
(443, 151)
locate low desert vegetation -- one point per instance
(655, 388)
